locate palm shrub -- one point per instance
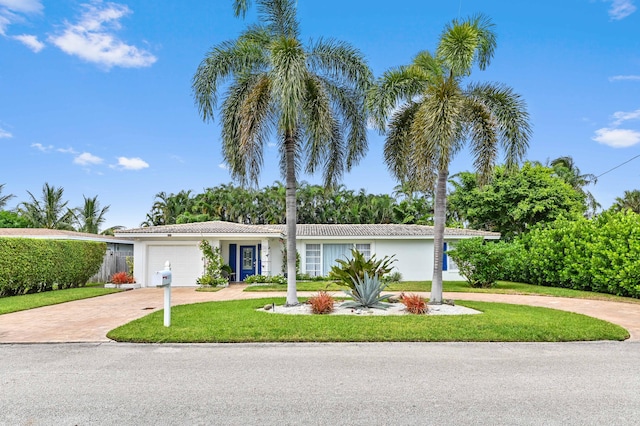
(366, 293)
(350, 271)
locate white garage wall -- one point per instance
(415, 257)
(185, 257)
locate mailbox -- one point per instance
(162, 279)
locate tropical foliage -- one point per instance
(315, 204)
(514, 200)
(351, 271)
(433, 116)
(312, 96)
(629, 201)
(50, 211)
(90, 217)
(566, 169)
(4, 199)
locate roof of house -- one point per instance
(58, 234)
(305, 230)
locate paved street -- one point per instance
(356, 384)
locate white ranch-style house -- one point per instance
(258, 249)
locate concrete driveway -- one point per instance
(89, 320)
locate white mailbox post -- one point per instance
(163, 279)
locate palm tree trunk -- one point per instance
(439, 218)
(289, 146)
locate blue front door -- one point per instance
(247, 261)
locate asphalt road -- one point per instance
(315, 384)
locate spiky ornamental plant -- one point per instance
(366, 293)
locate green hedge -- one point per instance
(602, 255)
(33, 265)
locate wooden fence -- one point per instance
(114, 261)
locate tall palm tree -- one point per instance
(48, 212)
(4, 198)
(629, 201)
(437, 116)
(566, 169)
(90, 216)
(311, 96)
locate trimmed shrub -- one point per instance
(602, 255)
(263, 279)
(31, 265)
(480, 262)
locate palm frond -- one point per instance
(509, 111)
(246, 126)
(280, 17)
(288, 73)
(395, 85)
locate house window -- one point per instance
(331, 252)
(313, 259)
(365, 249)
(448, 264)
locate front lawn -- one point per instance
(37, 300)
(238, 321)
(502, 287)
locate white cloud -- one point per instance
(41, 147)
(4, 134)
(132, 163)
(22, 6)
(620, 9)
(30, 41)
(92, 38)
(11, 11)
(86, 159)
(617, 138)
(223, 166)
(67, 150)
(625, 78)
(622, 116)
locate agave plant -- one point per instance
(366, 293)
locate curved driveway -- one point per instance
(89, 320)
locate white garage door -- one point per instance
(186, 263)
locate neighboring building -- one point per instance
(117, 248)
(258, 249)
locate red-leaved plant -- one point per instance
(321, 303)
(414, 303)
(122, 278)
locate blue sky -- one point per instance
(95, 96)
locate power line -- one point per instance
(619, 165)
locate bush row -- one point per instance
(601, 255)
(32, 265)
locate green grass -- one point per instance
(37, 300)
(503, 287)
(238, 321)
(209, 289)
